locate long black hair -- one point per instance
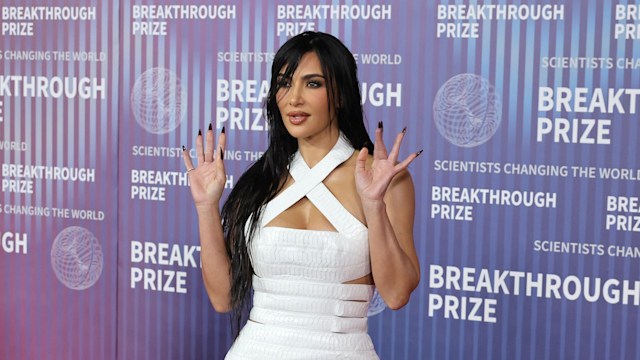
(262, 181)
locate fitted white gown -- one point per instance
(302, 308)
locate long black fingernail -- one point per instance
(210, 126)
(184, 148)
(419, 152)
(222, 130)
(379, 124)
(199, 132)
(404, 130)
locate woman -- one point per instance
(313, 224)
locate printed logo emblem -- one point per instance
(158, 101)
(76, 258)
(467, 111)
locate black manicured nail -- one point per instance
(210, 126)
(379, 124)
(404, 130)
(419, 152)
(184, 148)
(223, 129)
(199, 132)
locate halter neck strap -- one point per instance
(308, 182)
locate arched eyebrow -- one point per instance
(310, 76)
(304, 77)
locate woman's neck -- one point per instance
(315, 149)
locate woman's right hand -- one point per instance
(208, 178)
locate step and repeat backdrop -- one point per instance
(528, 204)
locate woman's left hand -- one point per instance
(372, 182)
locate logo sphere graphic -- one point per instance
(158, 101)
(76, 258)
(377, 305)
(467, 111)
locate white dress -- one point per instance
(301, 307)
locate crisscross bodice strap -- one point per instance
(308, 182)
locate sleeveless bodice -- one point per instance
(302, 308)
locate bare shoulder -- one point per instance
(341, 182)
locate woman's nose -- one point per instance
(295, 95)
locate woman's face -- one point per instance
(303, 100)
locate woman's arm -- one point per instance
(207, 183)
(388, 200)
(215, 262)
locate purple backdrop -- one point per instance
(528, 216)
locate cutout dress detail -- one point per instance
(302, 308)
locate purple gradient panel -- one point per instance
(72, 139)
